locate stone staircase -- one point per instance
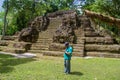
(14, 46)
(100, 45)
(89, 41)
(45, 39)
(79, 46)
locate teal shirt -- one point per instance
(69, 50)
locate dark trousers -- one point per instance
(67, 66)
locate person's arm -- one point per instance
(69, 52)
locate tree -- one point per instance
(24, 10)
(109, 7)
(1, 21)
(5, 19)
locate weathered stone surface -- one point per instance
(22, 45)
(109, 48)
(8, 38)
(85, 22)
(41, 23)
(65, 32)
(30, 34)
(60, 13)
(56, 47)
(103, 40)
(3, 43)
(110, 20)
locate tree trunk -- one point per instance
(5, 20)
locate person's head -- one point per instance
(66, 44)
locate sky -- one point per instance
(78, 2)
(1, 2)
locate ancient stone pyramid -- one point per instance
(80, 30)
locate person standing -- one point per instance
(67, 58)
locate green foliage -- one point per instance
(1, 21)
(11, 30)
(52, 68)
(24, 10)
(113, 29)
(109, 7)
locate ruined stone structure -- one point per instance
(80, 31)
(60, 14)
(30, 34)
(65, 31)
(110, 20)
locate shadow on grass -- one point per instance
(4, 56)
(8, 62)
(76, 73)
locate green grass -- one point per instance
(51, 68)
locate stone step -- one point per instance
(46, 35)
(52, 28)
(89, 29)
(39, 48)
(78, 50)
(80, 42)
(80, 35)
(18, 45)
(79, 31)
(90, 32)
(9, 38)
(44, 41)
(75, 49)
(77, 45)
(93, 34)
(12, 42)
(103, 54)
(109, 48)
(48, 30)
(35, 51)
(13, 50)
(45, 38)
(104, 40)
(4, 43)
(40, 51)
(56, 53)
(82, 38)
(54, 22)
(39, 44)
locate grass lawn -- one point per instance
(51, 68)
